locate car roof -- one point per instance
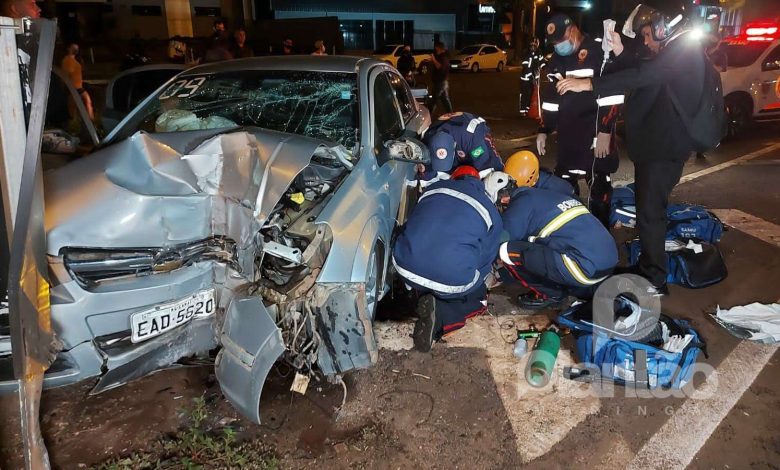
(304, 63)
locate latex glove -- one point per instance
(616, 42)
(602, 145)
(541, 143)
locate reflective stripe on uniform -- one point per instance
(549, 106)
(610, 100)
(473, 125)
(433, 285)
(577, 273)
(580, 73)
(465, 198)
(561, 220)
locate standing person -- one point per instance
(446, 251)
(585, 122)
(177, 50)
(288, 47)
(240, 49)
(219, 28)
(319, 48)
(440, 60)
(530, 74)
(71, 65)
(20, 9)
(406, 65)
(219, 48)
(658, 142)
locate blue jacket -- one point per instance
(451, 238)
(474, 144)
(563, 224)
(551, 182)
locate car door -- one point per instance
(490, 57)
(769, 88)
(125, 91)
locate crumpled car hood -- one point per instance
(159, 190)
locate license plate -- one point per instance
(163, 318)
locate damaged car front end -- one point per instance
(246, 207)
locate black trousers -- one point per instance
(655, 181)
(526, 90)
(441, 92)
(600, 191)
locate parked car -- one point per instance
(391, 52)
(479, 57)
(751, 75)
(247, 206)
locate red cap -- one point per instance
(464, 170)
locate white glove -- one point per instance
(541, 143)
(602, 145)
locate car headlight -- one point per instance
(466, 59)
(93, 265)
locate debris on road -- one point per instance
(754, 322)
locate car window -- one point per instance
(131, 89)
(773, 56)
(387, 118)
(321, 105)
(742, 55)
(404, 96)
(470, 50)
(490, 50)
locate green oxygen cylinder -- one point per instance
(541, 362)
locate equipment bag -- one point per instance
(623, 206)
(614, 357)
(690, 222)
(707, 126)
(686, 267)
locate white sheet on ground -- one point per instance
(762, 321)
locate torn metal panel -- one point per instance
(251, 344)
(347, 337)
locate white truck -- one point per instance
(391, 52)
(750, 72)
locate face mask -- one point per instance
(564, 48)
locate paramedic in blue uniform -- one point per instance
(446, 250)
(556, 247)
(585, 122)
(465, 136)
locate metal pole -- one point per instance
(33, 344)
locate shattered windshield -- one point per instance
(322, 105)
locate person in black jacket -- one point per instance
(657, 141)
(585, 122)
(406, 65)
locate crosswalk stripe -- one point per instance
(730, 163)
(754, 226)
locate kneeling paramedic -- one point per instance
(446, 250)
(556, 247)
(463, 139)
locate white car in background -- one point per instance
(750, 72)
(479, 57)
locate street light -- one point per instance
(533, 20)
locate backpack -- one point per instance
(707, 126)
(691, 222)
(686, 267)
(614, 357)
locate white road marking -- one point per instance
(678, 441)
(698, 419)
(730, 163)
(755, 227)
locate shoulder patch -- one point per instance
(477, 152)
(583, 54)
(550, 28)
(461, 154)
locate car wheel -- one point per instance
(475, 67)
(739, 114)
(373, 289)
(424, 68)
(500, 67)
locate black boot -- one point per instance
(425, 326)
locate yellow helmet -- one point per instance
(523, 166)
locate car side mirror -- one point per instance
(405, 149)
(771, 65)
